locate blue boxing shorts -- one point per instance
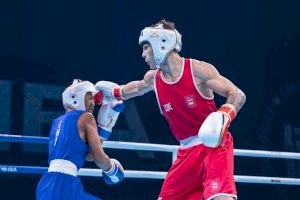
(61, 186)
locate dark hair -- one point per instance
(166, 24)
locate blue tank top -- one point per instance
(65, 142)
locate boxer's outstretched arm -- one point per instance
(139, 88)
(208, 76)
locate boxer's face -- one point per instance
(148, 55)
(89, 102)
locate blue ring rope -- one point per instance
(22, 169)
(153, 147)
(23, 139)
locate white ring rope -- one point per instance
(147, 175)
(154, 147)
(174, 148)
(162, 175)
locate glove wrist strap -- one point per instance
(229, 110)
(103, 134)
(111, 170)
(117, 93)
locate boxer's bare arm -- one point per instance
(206, 75)
(139, 88)
(87, 127)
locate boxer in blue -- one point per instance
(74, 138)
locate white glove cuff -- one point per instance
(113, 166)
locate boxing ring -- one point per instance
(150, 174)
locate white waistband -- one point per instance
(63, 166)
(190, 142)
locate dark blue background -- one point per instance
(255, 44)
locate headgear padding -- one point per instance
(162, 41)
(74, 95)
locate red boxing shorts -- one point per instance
(201, 171)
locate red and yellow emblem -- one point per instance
(190, 101)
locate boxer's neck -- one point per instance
(172, 68)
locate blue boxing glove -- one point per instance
(115, 174)
(107, 117)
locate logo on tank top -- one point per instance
(190, 101)
(215, 184)
(167, 107)
(57, 132)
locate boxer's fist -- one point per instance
(109, 89)
(115, 174)
(212, 129)
(107, 117)
(215, 126)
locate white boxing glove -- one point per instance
(107, 117)
(110, 90)
(215, 126)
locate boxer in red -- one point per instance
(185, 90)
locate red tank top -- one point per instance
(181, 103)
